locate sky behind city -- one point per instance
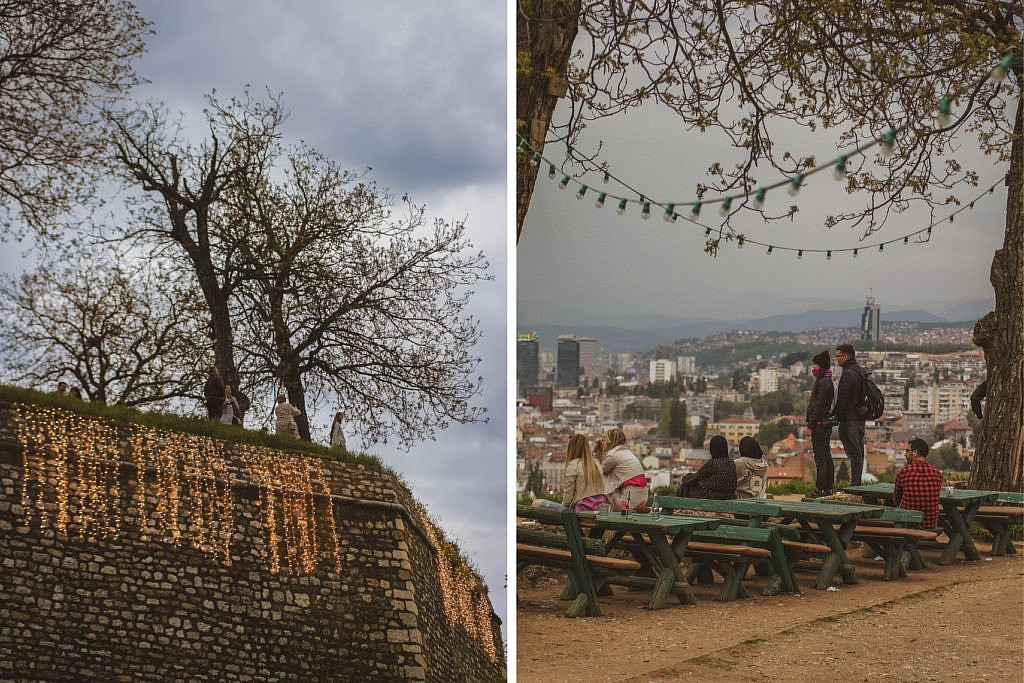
(417, 92)
(576, 256)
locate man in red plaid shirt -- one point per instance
(918, 485)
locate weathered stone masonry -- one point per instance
(131, 609)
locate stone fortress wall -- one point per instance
(129, 553)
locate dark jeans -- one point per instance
(852, 435)
(826, 473)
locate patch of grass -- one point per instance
(790, 487)
(189, 424)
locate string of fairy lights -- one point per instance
(463, 598)
(759, 194)
(73, 484)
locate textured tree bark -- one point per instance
(545, 31)
(999, 458)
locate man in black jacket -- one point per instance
(849, 398)
(978, 396)
(213, 392)
(820, 426)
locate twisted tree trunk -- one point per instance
(545, 31)
(999, 458)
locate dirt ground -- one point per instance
(961, 622)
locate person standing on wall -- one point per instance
(819, 425)
(849, 398)
(213, 392)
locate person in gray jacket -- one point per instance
(751, 468)
(849, 398)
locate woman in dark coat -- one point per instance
(716, 479)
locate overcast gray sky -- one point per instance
(574, 255)
(416, 91)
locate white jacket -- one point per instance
(619, 465)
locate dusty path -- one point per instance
(962, 622)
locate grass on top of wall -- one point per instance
(193, 425)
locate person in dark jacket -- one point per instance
(213, 392)
(849, 398)
(819, 424)
(716, 479)
(977, 397)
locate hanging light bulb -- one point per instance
(929, 232)
(523, 144)
(645, 212)
(695, 211)
(839, 171)
(606, 177)
(707, 232)
(854, 253)
(622, 207)
(770, 247)
(582, 191)
(881, 247)
(563, 182)
(739, 241)
(551, 171)
(828, 255)
(794, 185)
(945, 115)
(951, 219)
(906, 240)
(535, 159)
(800, 254)
(670, 213)
(1003, 68)
(726, 206)
(759, 198)
(888, 143)
(600, 200)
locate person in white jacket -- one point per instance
(625, 483)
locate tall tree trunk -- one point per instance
(545, 31)
(220, 321)
(999, 458)
(297, 397)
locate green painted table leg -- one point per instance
(774, 586)
(836, 560)
(780, 564)
(960, 538)
(670, 556)
(578, 607)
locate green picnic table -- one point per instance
(819, 522)
(659, 542)
(958, 511)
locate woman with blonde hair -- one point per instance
(625, 483)
(583, 486)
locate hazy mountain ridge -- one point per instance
(635, 332)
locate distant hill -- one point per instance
(640, 332)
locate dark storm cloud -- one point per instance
(415, 90)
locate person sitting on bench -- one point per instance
(625, 483)
(918, 485)
(751, 468)
(582, 485)
(716, 479)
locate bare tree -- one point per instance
(126, 336)
(861, 69)
(182, 185)
(60, 63)
(345, 302)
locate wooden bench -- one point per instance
(997, 520)
(584, 560)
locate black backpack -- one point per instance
(872, 405)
